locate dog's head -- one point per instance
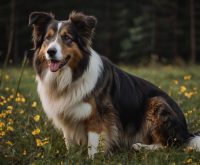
(62, 43)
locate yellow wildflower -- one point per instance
(194, 88)
(6, 89)
(8, 99)
(188, 94)
(176, 82)
(10, 121)
(39, 155)
(189, 160)
(36, 118)
(21, 111)
(2, 115)
(182, 89)
(190, 112)
(9, 143)
(187, 77)
(11, 96)
(36, 131)
(40, 143)
(185, 114)
(17, 99)
(8, 112)
(23, 99)
(24, 152)
(2, 124)
(10, 128)
(34, 104)
(2, 98)
(2, 133)
(6, 77)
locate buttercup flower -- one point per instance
(40, 143)
(10, 128)
(188, 94)
(36, 131)
(34, 104)
(9, 143)
(6, 77)
(2, 124)
(187, 77)
(3, 115)
(36, 118)
(182, 89)
(7, 89)
(176, 82)
(2, 133)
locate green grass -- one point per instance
(18, 146)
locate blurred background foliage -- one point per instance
(128, 31)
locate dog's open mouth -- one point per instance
(55, 65)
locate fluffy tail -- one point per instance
(194, 142)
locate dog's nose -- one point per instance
(52, 52)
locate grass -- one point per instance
(27, 137)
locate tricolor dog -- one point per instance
(88, 98)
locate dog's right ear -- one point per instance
(39, 22)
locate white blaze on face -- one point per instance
(54, 44)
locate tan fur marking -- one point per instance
(72, 49)
(93, 124)
(64, 31)
(153, 121)
(42, 51)
(50, 33)
(41, 57)
(75, 53)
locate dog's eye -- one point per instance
(68, 40)
(48, 37)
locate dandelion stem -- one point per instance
(20, 77)
(21, 73)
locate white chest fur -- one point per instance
(69, 104)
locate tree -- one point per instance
(192, 33)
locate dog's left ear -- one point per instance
(39, 22)
(84, 24)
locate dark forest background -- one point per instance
(130, 31)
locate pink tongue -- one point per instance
(54, 66)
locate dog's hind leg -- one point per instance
(139, 146)
(163, 125)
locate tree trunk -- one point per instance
(12, 26)
(192, 34)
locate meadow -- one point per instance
(27, 137)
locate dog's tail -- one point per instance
(194, 142)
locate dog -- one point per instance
(88, 98)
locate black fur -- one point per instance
(129, 94)
(39, 21)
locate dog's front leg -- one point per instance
(93, 142)
(66, 142)
(66, 138)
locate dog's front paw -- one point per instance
(91, 152)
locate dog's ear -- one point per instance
(39, 22)
(84, 24)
